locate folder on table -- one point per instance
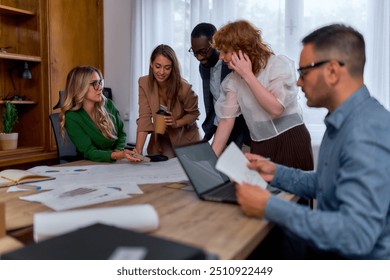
(99, 242)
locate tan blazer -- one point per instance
(185, 109)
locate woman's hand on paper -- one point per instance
(131, 155)
(127, 154)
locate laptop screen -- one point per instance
(198, 161)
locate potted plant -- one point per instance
(9, 139)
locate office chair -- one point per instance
(107, 92)
(60, 97)
(66, 150)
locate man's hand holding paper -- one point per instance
(234, 164)
(252, 195)
(262, 166)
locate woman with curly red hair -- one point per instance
(262, 87)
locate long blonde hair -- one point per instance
(244, 36)
(77, 85)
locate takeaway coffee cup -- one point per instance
(159, 124)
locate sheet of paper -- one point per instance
(142, 218)
(56, 171)
(233, 163)
(117, 173)
(125, 186)
(73, 196)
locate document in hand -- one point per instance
(11, 177)
(233, 164)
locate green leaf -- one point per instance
(10, 117)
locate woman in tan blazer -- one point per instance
(165, 90)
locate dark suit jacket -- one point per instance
(240, 132)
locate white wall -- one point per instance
(116, 56)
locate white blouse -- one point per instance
(279, 78)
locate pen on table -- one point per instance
(29, 187)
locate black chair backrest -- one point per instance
(107, 92)
(60, 97)
(67, 151)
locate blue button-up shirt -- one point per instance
(351, 184)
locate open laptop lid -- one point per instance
(198, 161)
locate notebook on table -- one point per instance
(198, 161)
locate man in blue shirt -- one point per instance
(212, 71)
(352, 180)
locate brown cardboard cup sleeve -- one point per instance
(159, 125)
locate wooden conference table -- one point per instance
(218, 228)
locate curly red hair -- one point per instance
(244, 36)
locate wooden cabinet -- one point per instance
(22, 29)
(75, 35)
(52, 36)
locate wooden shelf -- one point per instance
(11, 11)
(18, 102)
(32, 31)
(24, 57)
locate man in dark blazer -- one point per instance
(213, 71)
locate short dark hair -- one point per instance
(341, 42)
(203, 29)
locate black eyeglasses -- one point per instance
(202, 52)
(97, 83)
(302, 72)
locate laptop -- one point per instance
(198, 161)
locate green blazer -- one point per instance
(89, 140)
